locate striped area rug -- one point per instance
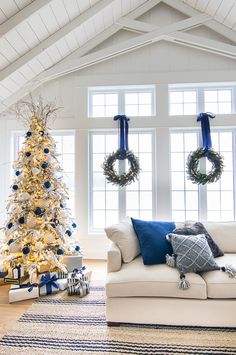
(59, 324)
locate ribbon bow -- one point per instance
(123, 130)
(49, 281)
(78, 271)
(206, 132)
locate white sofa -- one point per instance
(142, 294)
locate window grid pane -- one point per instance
(183, 102)
(218, 101)
(184, 192)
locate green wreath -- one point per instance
(192, 166)
(123, 179)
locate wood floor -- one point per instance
(9, 313)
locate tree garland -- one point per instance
(193, 162)
(123, 179)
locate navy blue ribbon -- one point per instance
(18, 267)
(78, 271)
(49, 281)
(206, 132)
(28, 285)
(123, 131)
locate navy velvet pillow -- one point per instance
(152, 239)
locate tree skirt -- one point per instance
(59, 324)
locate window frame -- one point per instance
(121, 191)
(200, 100)
(202, 189)
(121, 91)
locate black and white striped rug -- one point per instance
(59, 324)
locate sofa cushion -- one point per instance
(123, 235)
(138, 280)
(192, 253)
(198, 228)
(219, 284)
(152, 239)
(224, 234)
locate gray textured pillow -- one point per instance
(198, 228)
(192, 253)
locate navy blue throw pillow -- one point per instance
(152, 239)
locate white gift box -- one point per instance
(63, 284)
(48, 288)
(19, 293)
(72, 262)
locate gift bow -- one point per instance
(29, 285)
(49, 281)
(78, 271)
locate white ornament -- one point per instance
(38, 246)
(31, 222)
(25, 196)
(35, 171)
(14, 247)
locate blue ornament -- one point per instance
(44, 165)
(74, 225)
(77, 248)
(61, 205)
(41, 133)
(47, 184)
(46, 150)
(38, 211)
(15, 187)
(26, 250)
(21, 220)
(60, 251)
(10, 225)
(10, 241)
(27, 154)
(69, 233)
(17, 173)
(28, 134)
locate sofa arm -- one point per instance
(114, 259)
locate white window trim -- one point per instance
(200, 88)
(121, 206)
(121, 91)
(202, 189)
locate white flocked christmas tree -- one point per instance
(39, 229)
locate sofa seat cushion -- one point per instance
(219, 284)
(138, 280)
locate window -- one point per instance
(129, 100)
(218, 101)
(65, 144)
(212, 202)
(109, 203)
(183, 102)
(195, 98)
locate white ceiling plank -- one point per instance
(83, 5)
(16, 41)
(72, 8)
(28, 34)
(7, 50)
(89, 28)
(27, 72)
(3, 61)
(10, 84)
(63, 47)
(54, 53)
(212, 7)
(4, 92)
(36, 24)
(9, 8)
(18, 78)
(203, 43)
(45, 60)
(22, 3)
(49, 20)
(21, 15)
(213, 25)
(3, 17)
(201, 5)
(60, 13)
(71, 41)
(224, 10)
(53, 38)
(124, 47)
(230, 20)
(35, 66)
(134, 25)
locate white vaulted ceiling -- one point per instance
(37, 35)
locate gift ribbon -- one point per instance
(206, 132)
(18, 268)
(49, 282)
(123, 131)
(78, 271)
(29, 285)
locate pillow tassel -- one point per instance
(170, 260)
(230, 270)
(183, 283)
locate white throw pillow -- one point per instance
(123, 235)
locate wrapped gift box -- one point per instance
(10, 280)
(48, 284)
(72, 262)
(81, 288)
(62, 275)
(82, 274)
(22, 292)
(63, 284)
